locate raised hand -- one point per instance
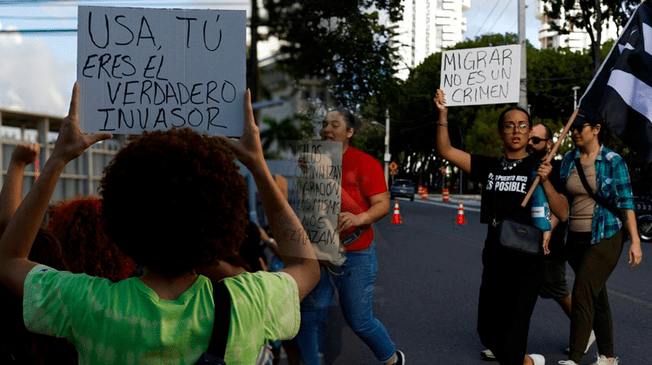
(247, 148)
(25, 153)
(71, 142)
(440, 102)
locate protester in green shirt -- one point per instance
(175, 203)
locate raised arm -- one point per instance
(19, 236)
(445, 150)
(12, 189)
(293, 242)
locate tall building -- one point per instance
(426, 28)
(577, 40)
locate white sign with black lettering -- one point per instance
(485, 75)
(155, 69)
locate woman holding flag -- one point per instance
(598, 187)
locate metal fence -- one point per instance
(81, 176)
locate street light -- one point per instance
(387, 156)
(575, 88)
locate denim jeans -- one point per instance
(355, 287)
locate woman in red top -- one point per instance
(364, 201)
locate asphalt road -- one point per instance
(427, 291)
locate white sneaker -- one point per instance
(537, 359)
(567, 362)
(603, 360)
(588, 346)
(487, 355)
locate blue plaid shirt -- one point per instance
(613, 183)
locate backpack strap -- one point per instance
(222, 299)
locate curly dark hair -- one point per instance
(174, 201)
(78, 225)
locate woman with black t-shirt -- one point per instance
(510, 279)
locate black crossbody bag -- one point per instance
(517, 235)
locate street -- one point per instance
(429, 272)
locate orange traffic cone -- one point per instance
(460, 214)
(444, 194)
(396, 218)
(424, 195)
(420, 190)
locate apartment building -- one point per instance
(577, 40)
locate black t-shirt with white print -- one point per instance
(503, 189)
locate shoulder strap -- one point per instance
(598, 199)
(222, 299)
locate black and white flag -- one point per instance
(621, 91)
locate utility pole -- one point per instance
(253, 56)
(522, 100)
(387, 156)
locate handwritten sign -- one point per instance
(154, 69)
(486, 75)
(314, 186)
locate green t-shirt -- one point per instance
(127, 323)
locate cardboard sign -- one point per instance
(315, 192)
(485, 75)
(154, 69)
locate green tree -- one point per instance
(340, 41)
(285, 130)
(590, 16)
(552, 74)
(370, 138)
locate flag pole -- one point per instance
(549, 155)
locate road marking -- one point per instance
(643, 302)
(630, 298)
(452, 204)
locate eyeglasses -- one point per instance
(578, 128)
(510, 127)
(537, 140)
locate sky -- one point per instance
(37, 70)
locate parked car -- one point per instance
(402, 187)
(643, 209)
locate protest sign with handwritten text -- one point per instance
(315, 193)
(486, 75)
(155, 69)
